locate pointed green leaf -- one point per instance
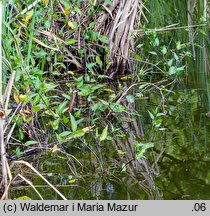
(31, 142)
(99, 62)
(172, 70)
(71, 41)
(142, 147)
(73, 123)
(55, 124)
(104, 134)
(151, 115)
(153, 53)
(65, 133)
(61, 108)
(75, 134)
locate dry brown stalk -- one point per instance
(121, 18)
(2, 114)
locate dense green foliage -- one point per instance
(66, 105)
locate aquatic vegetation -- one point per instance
(97, 95)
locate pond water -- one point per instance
(183, 169)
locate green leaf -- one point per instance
(98, 107)
(47, 24)
(104, 39)
(36, 108)
(31, 142)
(202, 32)
(68, 97)
(90, 66)
(73, 123)
(71, 41)
(176, 56)
(61, 108)
(104, 102)
(48, 87)
(20, 136)
(151, 115)
(95, 36)
(153, 53)
(120, 152)
(102, 76)
(138, 57)
(17, 75)
(164, 50)
(156, 42)
(172, 70)
(75, 134)
(95, 87)
(116, 107)
(99, 62)
(104, 134)
(79, 81)
(170, 62)
(23, 198)
(180, 68)
(65, 119)
(55, 124)
(124, 168)
(139, 46)
(18, 152)
(109, 2)
(78, 10)
(84, 90)
(160, 114)
(178, 45)
(36, 99)
(66, 4)
(142, 86)
(130, 98)
(141, 148)
(65, 133)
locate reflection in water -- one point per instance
(185, 168)
(183, 165)
(109, 189)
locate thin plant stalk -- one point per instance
(40, 175)
(1, 10)
(30, 183)
(2, 113)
